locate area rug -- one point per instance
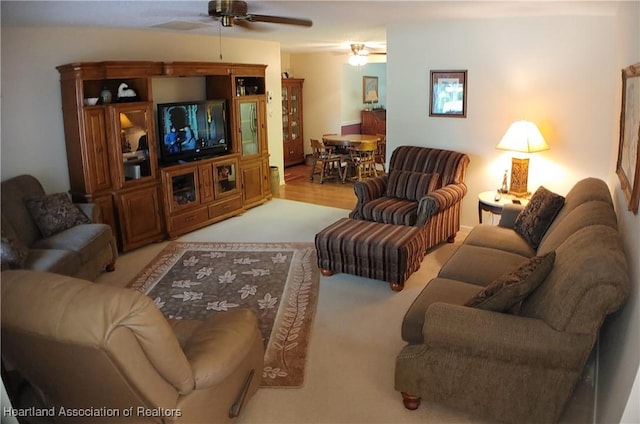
(278, 281)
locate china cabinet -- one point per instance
(292, 135)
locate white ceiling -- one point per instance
(335, 23)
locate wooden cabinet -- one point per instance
(292, 134)
(97, 173)
(254, 162)
(140, 216)
(374, 122)
(112, 148)
(201, 193)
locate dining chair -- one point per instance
(381, 153)
(330, 162)
(363, 158)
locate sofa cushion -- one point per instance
(59, 261)
(87, 240)
(14, 253)
(480, 265)
(499, 238)
(437, 290)
(54, 213)
(389, 210)
(410, 185)
(534, 220)
(513, 287)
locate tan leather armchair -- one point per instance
(104, 350)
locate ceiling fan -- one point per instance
(359, 53)
(235, 12)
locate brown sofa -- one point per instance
(516, 366)
(424, 188)
(84, 250)
(93, 347)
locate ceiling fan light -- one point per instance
(357, 60)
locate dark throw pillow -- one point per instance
(509, 290)
(535, 218)
(54, 213)
(410, 185)
(13, 252)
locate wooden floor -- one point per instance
(329, 193)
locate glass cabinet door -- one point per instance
(285, 114)
(183, 189)
(249, 127)
(226, 178)
(295, 113)
(134, 143)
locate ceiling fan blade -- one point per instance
(279, 20)
(245, 24)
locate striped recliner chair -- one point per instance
(424, 188)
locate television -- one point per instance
(189, 131)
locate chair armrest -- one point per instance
(509, 214)
(91, 210)
(220, 344)
(501, 336)
(368, 190)
(439, 200)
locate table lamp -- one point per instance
(371, 98)
(125, 125)
(522, 136)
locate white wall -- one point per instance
(32, 130)
(558, 72)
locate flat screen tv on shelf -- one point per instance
(189, 131)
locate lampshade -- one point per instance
(125, 122)
(523, 136)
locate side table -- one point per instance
(487, 202)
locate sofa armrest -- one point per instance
(368, 190)
(216, 348)
(503, 337)
(91, 210)
(439, 200)
(510, 212)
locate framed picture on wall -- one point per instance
(369, 90)
(448, 94)
(628, 166)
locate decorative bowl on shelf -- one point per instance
(91, 101)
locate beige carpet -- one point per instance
(277, 281)
(355, 336)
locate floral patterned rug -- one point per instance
(278, 281)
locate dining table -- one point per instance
(361, 150)
(349, 140)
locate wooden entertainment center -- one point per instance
(112, 150)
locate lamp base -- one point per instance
(519, 177)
